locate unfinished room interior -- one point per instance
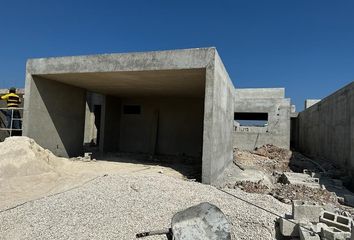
(176, 103)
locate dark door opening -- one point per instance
(97, 113)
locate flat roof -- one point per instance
(157, 73)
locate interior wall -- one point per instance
(54, 115)
(167, 126)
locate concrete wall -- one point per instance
(326, 129)
(172, 126)
(218, 121)
(277, 132)
(54, 115)
(261, 93)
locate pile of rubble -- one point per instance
(310, 221)
(293, 177)
(273, 152)
(270, 158)
(288, 192)
(251, 187)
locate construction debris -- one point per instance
(270, 158)
(299, 179)
(272, 152)
(311, 187)
(307, 211)
(287, 192)
(310, 221)
(316, 212)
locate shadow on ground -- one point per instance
(190, 167)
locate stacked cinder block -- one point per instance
(311, 222)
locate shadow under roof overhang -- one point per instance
(160, 83)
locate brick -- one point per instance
(299, 179)
(289, 227)
(303, 210)
(318, 227)
(307, 234)
(332, 233)
(334, 220)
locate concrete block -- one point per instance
(300, 179)
(332, 233)
(306, 233)
(335, 220)
(303, 210)
(289, 227)
(319, 226)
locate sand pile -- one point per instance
(22, 156)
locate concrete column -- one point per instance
(111, 124)
(218, 121)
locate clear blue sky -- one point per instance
(306, 46)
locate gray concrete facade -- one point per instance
(185, 97)
(326, 129)
(270, 103)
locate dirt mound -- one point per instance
(268, 159)
(22, 156)
(273, 152)
(251, 187)
(288, 192)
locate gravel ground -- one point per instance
(119, 206)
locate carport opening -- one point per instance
(150, 117)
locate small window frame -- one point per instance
(131, 109)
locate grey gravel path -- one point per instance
(119, 206)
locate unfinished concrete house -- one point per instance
(177, 102)
(262, 116)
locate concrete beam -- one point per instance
(261, 93)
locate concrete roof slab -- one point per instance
(142, 61)
(188, 83)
